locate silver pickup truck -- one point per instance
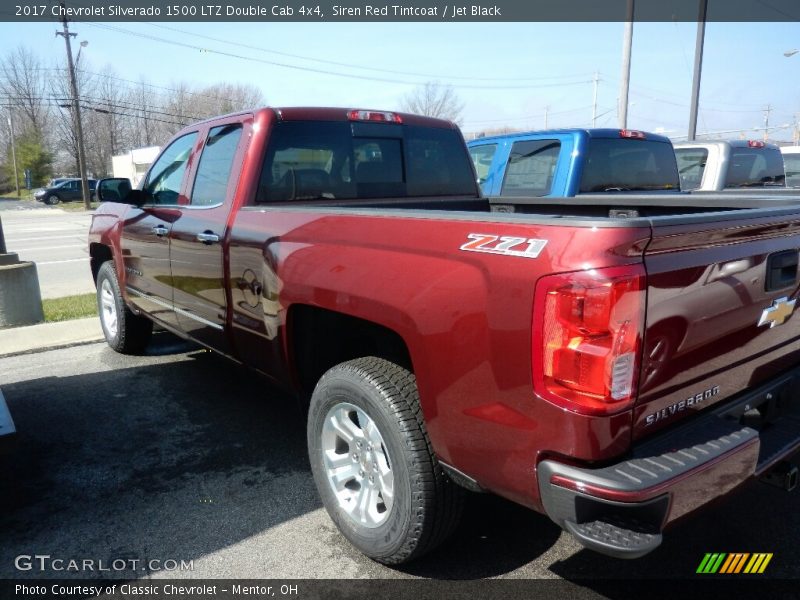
(710, 166)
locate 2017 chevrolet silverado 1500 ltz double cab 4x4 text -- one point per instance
(571, 162)
(614, 364)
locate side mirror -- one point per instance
(119, 189)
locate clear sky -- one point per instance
(505, 73)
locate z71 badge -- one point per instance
(507, 245)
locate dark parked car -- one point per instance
(69, 189)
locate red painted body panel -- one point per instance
(706, 294)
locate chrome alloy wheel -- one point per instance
(357, 465)
(108, 308)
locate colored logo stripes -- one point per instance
(736, 562)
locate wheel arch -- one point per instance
(346, 337)
(98, 253)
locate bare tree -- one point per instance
(108, 119)
(64, 138)
(433, 99)
(224, 98)
(23, 83)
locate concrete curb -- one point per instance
(49, 336)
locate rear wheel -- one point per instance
(373, 464)
(124, 331)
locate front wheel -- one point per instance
(124, 331)
(52, 200)
(373, 464)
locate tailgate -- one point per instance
(720, 304)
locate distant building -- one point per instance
(134, 164)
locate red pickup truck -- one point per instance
(613, 362)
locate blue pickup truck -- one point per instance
(568, 162)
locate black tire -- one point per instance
(426, 504)
(52, 200)
(132, 333)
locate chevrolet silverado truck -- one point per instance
(714, 166)
(614, 363)
(569, 162)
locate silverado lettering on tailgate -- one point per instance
(507, 245)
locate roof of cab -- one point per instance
(593, 133)
(324, 113)
(731, 143)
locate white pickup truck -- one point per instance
(714, 166)
(791, 164)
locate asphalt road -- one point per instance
(55, 240)
(181, 455)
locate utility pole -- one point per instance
(76, 108)
(698, 66)
(13, 154)
(766, 121)
(594, 99)
(625, 80)
(546, 110)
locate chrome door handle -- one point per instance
(208, 237)
(160, 230)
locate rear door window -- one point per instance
(691, 166)
(531, 167)
(213, 171)
(622, 165)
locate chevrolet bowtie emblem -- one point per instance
(777, 314)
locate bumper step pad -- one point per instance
(615, 538)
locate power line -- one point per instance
(116, 104)
(140, 83)
(353, 66)
(55, 104)
(315, 70)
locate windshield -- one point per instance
(329, 160)
(627, 165)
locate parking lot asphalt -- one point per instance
(181, 455)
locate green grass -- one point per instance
(70, 307)
(23, 195)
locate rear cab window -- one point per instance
(755, 167)
(333, 160)
(627, 165)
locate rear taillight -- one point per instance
(755, 144)
(630, 133)
(374, 115)
(587, 336)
